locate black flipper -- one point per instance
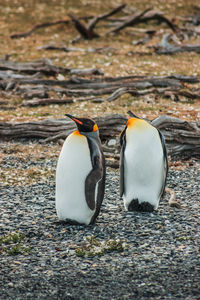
(95, 177)
(100, 192)
(123, 146)
(165, 161)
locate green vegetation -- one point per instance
(12, 244)
(95, 247)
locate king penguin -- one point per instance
(143, 165)
(80, 174)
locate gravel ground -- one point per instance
(151, 255)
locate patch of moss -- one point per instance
(95, 247)
(12, 244)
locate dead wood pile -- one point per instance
(27, 80)
(182, 137)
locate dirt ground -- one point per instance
(28, 168)
(20, 16)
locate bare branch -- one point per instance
(36, 27)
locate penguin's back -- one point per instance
(144, 172)
(74, 164)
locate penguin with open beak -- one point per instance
(143, 165)
(80, 174)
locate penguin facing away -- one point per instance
(143, 165)
(80, 174)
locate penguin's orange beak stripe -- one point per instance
(95, 127)
(77, 121)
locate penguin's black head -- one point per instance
(84, 124)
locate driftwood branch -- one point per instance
(146, 82)
(41, 25)
(60, 48)
(182, 137)
(168, 92)
(167, 48)
(172, 200)
(95, 20)
(82, 29)
(73, 49)
(80, 87)
(87, 31)
(36, 27)
(9, 75)
(143, 17)
(130, 21)
(43, 66)
(26, 79)
(46, 101)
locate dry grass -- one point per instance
(20, 172)
(20, 15)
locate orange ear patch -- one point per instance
(95, 127)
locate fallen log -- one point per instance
(171, 92)
(70, 89)
(46, 67)
(72, 49)
(183, 78)
(46, 101)
(15, 76)
(182, 137)
(33, 86)
(176, 49)
(79, 83)
(54, 129)
(8, 75)
(60, 48)
(43, 66)
(165, 92)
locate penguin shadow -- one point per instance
(77, 225)
(135, 215)
(69, 222)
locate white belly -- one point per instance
(74, 164)
(143, 167)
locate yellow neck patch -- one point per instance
(133, 121)
(137, 123)
(76, 133)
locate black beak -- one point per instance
(74, 119)
(69, 116)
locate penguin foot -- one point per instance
(134, 205)
(70, 222)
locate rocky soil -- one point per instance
(123, 256)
